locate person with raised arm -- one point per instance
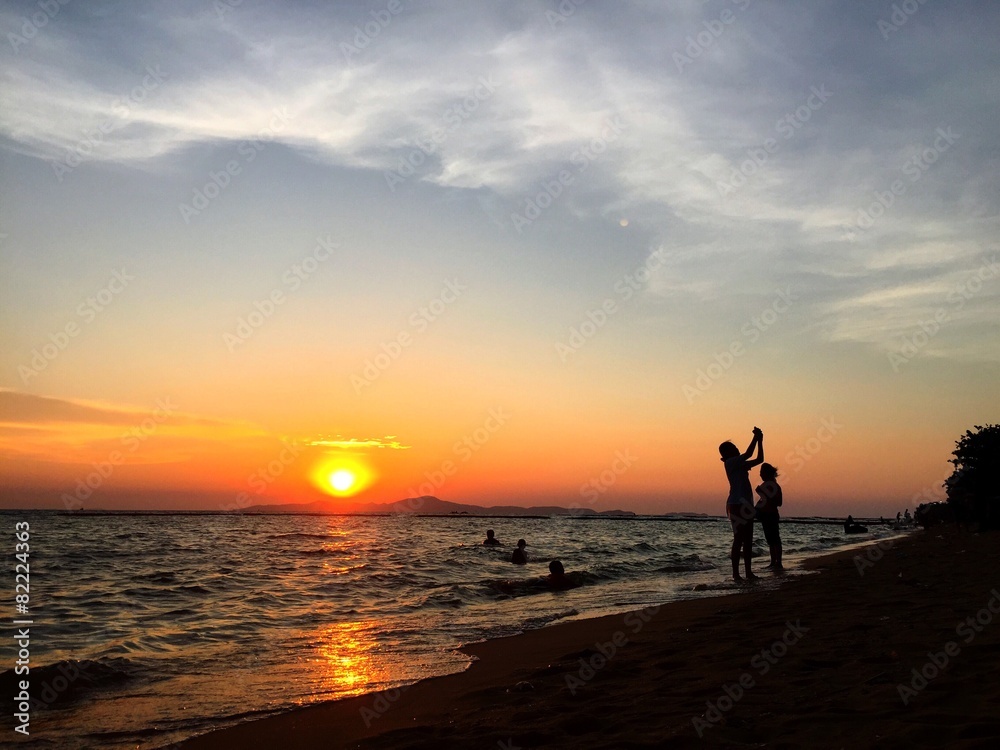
(739, 505)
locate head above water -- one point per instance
(521, 543)
(490, 533)
(556, 568)
(728, 450)
(768, 472)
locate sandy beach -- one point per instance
(890, 645)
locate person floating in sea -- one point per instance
(557, 578)
(767, 512)
(739, 505)
(491, 540)
(519, 556)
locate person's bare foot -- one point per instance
(751, 577)
(738, 578)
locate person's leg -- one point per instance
(734, 551)
(770, 527)
(748, 548)
(777, 545)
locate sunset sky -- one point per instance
(510, 253)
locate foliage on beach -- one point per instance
(974, 487)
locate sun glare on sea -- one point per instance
(341, 476)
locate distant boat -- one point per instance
(853, 527)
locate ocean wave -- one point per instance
(688, 568)
(306, 535)
(71, 679)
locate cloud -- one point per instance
(360, 89)
(61, 430)
(359, 443)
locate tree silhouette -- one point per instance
(974, 487)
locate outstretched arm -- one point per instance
(758, 443)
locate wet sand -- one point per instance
(823, 661)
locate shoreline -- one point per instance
(848, 638)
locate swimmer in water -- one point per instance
(491, 540)
(557, 578)
(518, 556)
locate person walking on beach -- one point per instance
(739, 505)
(769, 492)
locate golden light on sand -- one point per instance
(342, 476)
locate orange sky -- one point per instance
(164, 457)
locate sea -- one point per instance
(146, 629)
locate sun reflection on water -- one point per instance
(347, 659)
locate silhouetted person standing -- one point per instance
(739, 504)
(769, 492)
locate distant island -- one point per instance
(428, 505)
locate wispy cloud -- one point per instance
(688, 127)
(359, 443)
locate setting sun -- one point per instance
(342, 475)
(341, 480)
